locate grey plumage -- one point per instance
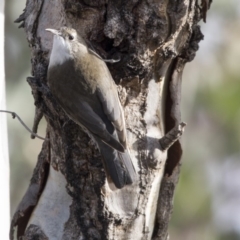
(83, 86)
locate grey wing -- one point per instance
(113, 109)
(82, 113)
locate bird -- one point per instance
(82, 84)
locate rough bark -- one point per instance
(69, 197)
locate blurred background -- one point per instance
(207, 198)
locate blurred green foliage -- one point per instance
(211, 107)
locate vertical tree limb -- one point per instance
(4, 158)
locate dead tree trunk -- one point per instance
(68, 197)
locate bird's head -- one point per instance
(66, 44)
(68, 34)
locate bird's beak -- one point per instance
(54, 31)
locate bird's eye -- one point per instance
(70, 37)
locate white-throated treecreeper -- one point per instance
(82, 84)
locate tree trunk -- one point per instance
(69, 197)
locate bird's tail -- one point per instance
(118, 166)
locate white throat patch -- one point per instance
(60, 51)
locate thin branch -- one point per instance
(37, 119)
(14, 115)
(172, 136)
